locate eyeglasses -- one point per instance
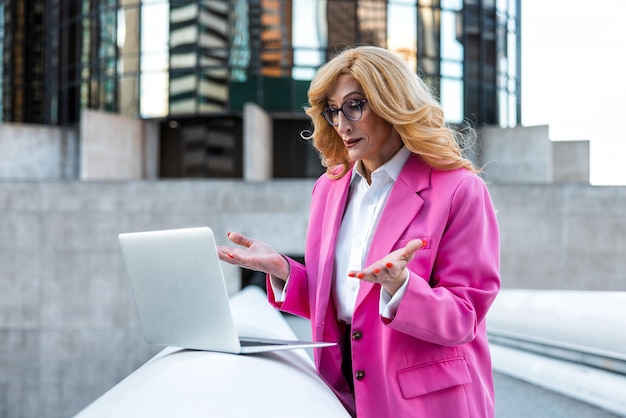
(352, 110)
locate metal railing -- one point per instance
(571, 342)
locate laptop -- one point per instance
(180, 294)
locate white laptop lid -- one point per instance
(180, 294)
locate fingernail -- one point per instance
(360, 275)
(424, 244)
(230, 255)
(389, 265)
(376, 271)
(351, 274)
(228, 234)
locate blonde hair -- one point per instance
(396, 94)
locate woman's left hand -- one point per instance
(390, 270)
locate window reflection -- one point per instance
(154, 66)
(239, 41)
(202, 56)
(402, 30)
(1, 61)
(164, 58)
(452, 99)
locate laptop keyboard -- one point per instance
(245, 343)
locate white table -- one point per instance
(186, 383)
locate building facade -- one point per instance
(193, 64)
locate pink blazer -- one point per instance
(432, 359)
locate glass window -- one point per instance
(452, 4)
(451, 48)
(429, 33)
(402, 30)
(452, 100)
(154, 66)
(452, 69)
(513, 103)
(503, 103)
(239, 41)
(309, 40)
(1, 61)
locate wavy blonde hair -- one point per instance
(396, 94)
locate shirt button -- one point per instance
(360, 375)
(357, 335)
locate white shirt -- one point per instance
(365, 206)
(361, 217)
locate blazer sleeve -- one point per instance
(447, 307)
(297, 296)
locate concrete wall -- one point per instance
(517, 155)
(35, 152)
(571, 161)
(107, 147)
(257, 143)
(68, 329)
(569, 236)
(115, 147)
(526, 155)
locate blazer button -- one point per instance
(357, 335)
(360, 375)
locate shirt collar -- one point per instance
(391, 167)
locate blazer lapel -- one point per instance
(335, 204)
(403, 204)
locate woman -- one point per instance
(402, 248)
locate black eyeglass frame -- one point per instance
(336, 110)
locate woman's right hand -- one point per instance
(255, 255)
